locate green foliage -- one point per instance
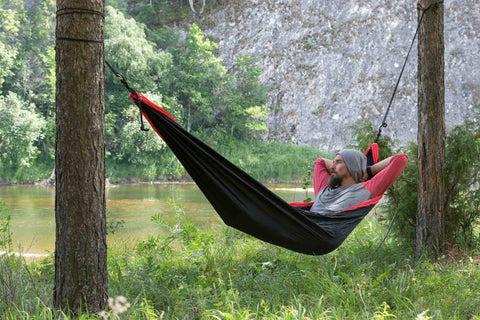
(216, 102)
(20, 128)
(119, 5)
(27, 67)
(187, 78)
(138, 147)
(364, 135)
(307, 179)
(146, 69)
(165, 37)
(244, 112)
(462, 164)
(402, 198)
(462, 182)
(237, 277)
(270, 161)
(158, 12)
(35, 60)
(113, 224)
(178, 233)
(199, 77)
(9, 29)
(5, 232)
(128, 50)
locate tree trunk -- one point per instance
(430, 231)
(80, 246)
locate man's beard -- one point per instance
(334, 181)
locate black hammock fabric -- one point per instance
(244, 203)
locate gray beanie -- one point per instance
(356, 163)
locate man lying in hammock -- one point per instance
(346, 181)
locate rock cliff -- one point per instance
(331, 63)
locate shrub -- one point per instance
(462, 204)
(462, 180)
(20, 128)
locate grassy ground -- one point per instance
(228, 275)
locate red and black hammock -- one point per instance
(244, 203)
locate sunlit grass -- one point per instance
(225, 274)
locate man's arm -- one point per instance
(321, 173)
(376, 168)
(385, 173)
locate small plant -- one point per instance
(383, 312)
(5, 233)
(181, 230)
(113, 224)
(307, 179)
(9, 281)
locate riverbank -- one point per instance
(32, 211)
(267, 162)
(225, 274)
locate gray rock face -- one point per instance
(331, 63)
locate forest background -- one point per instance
(224, 107)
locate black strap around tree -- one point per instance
(65, 11)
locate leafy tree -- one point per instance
(27, 60)
(20, 128)
(33, 73)
(245, 112)
(119, 5)
(199, 77)
(158, 13)
(139, 147)
(217, 103)
(136, 58)
(145, 68)
(462, 181)
(9, 29)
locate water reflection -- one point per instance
(32, 209)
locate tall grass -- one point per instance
(272, 162)
(275, 161)
(225, 274)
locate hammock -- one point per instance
(245, 204)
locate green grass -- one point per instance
(189, 274)
(275, 161)
(264, 161)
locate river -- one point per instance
(32, 211)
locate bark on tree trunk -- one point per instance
(80, 246)
(430, 228)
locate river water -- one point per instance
(32, 211)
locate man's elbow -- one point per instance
(401, 159)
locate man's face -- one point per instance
(338, 172)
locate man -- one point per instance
(346, 181)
